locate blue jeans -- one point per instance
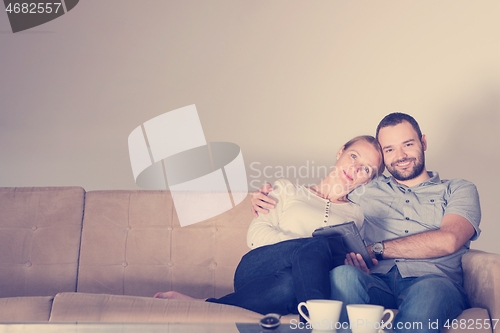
(275, 278)
(424, 303)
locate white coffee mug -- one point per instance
(323, 314)
(366, 318)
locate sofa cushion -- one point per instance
(22, 309)
(133, 244)
(116, 308)
(40, 231)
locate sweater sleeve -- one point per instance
(265, 229)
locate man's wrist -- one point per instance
(378, 250)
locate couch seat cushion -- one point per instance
(117, 308)
(22, 309)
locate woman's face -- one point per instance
(356, 165)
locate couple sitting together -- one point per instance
(417, 227)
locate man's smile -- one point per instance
(403, 163)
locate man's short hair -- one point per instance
(396, 118)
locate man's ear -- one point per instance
(340, 152)
(424, 142)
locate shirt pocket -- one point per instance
(379, 207)
(431, 211)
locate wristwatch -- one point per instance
(378, 250)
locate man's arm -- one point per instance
(455, 231)
(260, 201)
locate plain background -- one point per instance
(288, 81)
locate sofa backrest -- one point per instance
(133, 244)
(40, 231)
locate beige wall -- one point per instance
(288, 81)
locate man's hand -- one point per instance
(260, 201)
(354, 259)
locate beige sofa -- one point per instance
(71, 255)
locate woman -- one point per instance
(283, 268)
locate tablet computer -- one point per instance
(351, 237)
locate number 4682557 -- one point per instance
(471, 324)
(33, 8)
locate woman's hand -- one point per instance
(354, 259)
(260, 201)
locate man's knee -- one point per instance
(345, 277)
(345, 273)
(434, 297)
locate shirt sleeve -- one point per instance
(464, 201)
(355, 196)
(265, 229)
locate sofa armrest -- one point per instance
(482, 281)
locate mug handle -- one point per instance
(391, 317)
(302, 313)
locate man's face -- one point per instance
(403, 151)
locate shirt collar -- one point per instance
(433, 180)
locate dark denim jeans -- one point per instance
(275, 278)
(424, 303)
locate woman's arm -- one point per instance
(265, 229)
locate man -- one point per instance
(418, 228)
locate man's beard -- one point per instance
(416, 171)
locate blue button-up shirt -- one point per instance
(393, 210)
